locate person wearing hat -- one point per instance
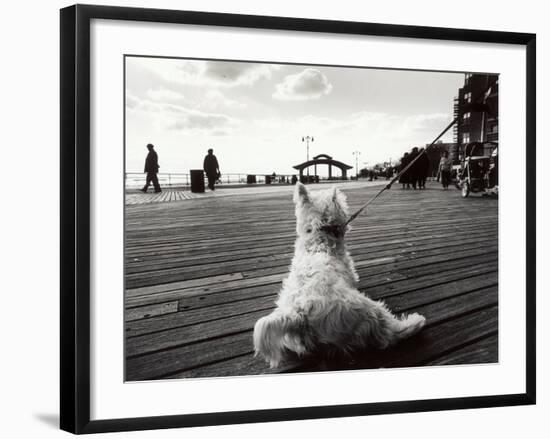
(151, 168)
(211, 168)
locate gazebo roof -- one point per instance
(325, 161)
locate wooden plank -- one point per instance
(164, 363)
(428, 280)
(144, 312)
(409, 300)
(182, 285)
(204, 290)
(191, 334)
(187, 317)
(404, 259)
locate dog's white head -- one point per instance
(321, 215)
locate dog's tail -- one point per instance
(278, 333)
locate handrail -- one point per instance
(179, 179)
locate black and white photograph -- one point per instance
(297, 218)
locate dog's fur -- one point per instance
(319, 309)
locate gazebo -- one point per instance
(324, 159)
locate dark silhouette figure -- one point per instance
(151, 168)
(423, 168)
(414, 170)
(211, 168)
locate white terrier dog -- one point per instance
(319, 309)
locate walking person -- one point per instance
(151, 168)
(445, 165)
(404, 178)
(211, 168)
(423, 168)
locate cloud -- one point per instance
(231, 73)
(219, 73)
(427, 122)
(178, 118)
(308, 84)
(196, 120)
(170, 80)
(215, 99)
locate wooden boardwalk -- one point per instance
(200, 272)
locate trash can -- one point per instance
(250, 179)
(197, 180)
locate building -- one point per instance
(476, 109)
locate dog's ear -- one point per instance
(340, 200)
(301, 194)
(335, 192)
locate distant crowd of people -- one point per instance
(211, 168)
(417, 173)
(415, 176)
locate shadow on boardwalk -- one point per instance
(199, 273)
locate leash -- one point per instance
(406, 168)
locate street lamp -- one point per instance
(356, 154)
(307, 139)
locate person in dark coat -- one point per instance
(423, 168)
(414, 170)
(151, 168)
(404, 178)
(211, 168)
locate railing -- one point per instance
(136, 180)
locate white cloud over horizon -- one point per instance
(234, 74)
(176, 117)
(308, 84)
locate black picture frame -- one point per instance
(75, 216)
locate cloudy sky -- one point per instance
(255, 115)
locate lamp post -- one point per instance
(356, 154)
(307, 139)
